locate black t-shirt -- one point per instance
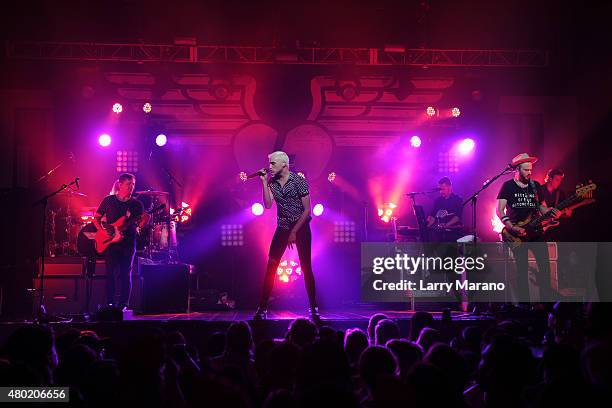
(446, 208)
(552, 199)
(113, 209)
(521, 202)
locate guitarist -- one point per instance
(518, 200)
(119, 256)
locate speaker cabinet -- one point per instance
(164, 288)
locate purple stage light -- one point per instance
(466, 146)
(318, 210)
(104, 140)
(161, 140)
(257, 209)
(117, 108)
(415, 141)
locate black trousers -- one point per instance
(277, 248)
(540, 252)
(119, 258)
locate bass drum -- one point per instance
(86, 245)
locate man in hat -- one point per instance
(517, 200)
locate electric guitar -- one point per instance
(113, 233)
(534, 226)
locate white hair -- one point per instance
(279, 155)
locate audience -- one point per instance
(505, 366)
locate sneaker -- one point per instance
(313, 312)
(261, 313)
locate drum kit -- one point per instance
(70, 230)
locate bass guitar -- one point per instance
(534, 226)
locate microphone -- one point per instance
(257, 174)
(433, 190)
(76, 181)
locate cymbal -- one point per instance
(72, 193)
(152, 192)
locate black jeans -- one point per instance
(119, 258)
(277, 248)
(540, 252)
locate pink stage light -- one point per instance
(466, 146)
(257, 209)
(243, 176)
(431, 111)
(455, 112)
(288, 271)
(415, 141)
(147, 107)
(161, 140)
(104, 140)
(318, 210)
(117, 108)
(331, 177)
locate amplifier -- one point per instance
(164, 288)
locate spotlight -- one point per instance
(104, 140)
(185, 213)
(127, 161)
(161, 140)
(117, 108)
(386, 212)
(466, 146)
(431, 111)
(455, 112)
(147, 107)
(257, 209)
(232, 235)
(331, 177)
(344, 231)
(415, 141)
(288, 271)
(318, 210)
(243, 176)
(301, 174)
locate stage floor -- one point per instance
(275, 315)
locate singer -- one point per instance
(292, 197)
(120, 256)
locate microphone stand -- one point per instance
(474, 197)
(474, 200)
(41, 314)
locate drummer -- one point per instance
(447, 210)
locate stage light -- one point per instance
(243, 176)
(147, 107)
(331, 177)
(344, 231)
(318, 210)
(447, 162)
(466, 146)
(257, 209)
(415, 141)
(455, 112)
(127, 161)
(288, 271)
(301, 174)
(386, 212)
(431, 111)
(232, 235)
(117, 108)
(104, 140)
(161, 140)
(184, 214)
(496, 222)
